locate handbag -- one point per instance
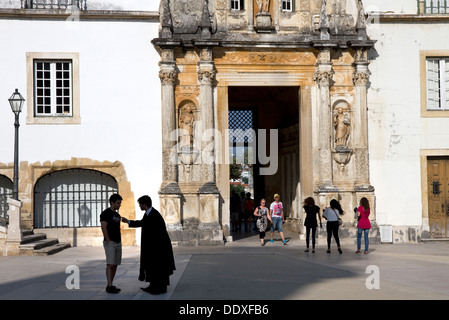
(340, 222)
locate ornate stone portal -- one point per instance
(206, 48)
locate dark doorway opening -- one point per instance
(267, 142)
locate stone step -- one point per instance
(27, 232)
(31, 247)
(49, 250)
(30, 238)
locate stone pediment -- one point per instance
(340, 22)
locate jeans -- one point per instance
(277, 224)
(359, 238)
(308, 229)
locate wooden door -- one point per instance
(438, 184)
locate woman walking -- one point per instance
(310, 223)
(363, 224)
(332, 215)
(263, 214)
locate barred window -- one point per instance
(6, 190)
(72, 198)
(53, 88)
(433, 6)
(437, 80)
(53, 4)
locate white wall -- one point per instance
(394, 6)
(120, 102)
(396, 130)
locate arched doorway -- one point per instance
(72, 198)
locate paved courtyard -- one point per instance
(241, 270)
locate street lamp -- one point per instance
(16, 101)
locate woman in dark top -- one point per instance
(310, 223)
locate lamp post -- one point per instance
(16, 101)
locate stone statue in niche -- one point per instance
(263, 5)
(342, 128)
(186, 154)
(263, 16)
(186, 122)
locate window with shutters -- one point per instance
(437, 79)
(434, 83)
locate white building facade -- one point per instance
(90, 80)
(408, 116)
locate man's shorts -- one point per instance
(113, 252)
(277, 224)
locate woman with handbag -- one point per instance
(310, 222)
(332, 215)
(363, 224)
(262, 215)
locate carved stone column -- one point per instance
(169, 193)
(360, 136)
(206, 78)
(209, 227)
(168, 76)
(323, 77)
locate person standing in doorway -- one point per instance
(235, 211)
(363, 224)
(277, 218)
(262, 215)
(112, 242)
(248, 207)
(157, 262)
(310, 222)
(332, 215)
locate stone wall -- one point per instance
(29, 174)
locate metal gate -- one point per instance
(72, 198)
(6, 188)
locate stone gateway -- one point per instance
(210, 51)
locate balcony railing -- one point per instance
(54, 4)
(433, 6)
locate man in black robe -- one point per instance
(157, 262)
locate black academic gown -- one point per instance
(157, 262)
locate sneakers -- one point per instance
(112, 289)
(283, 242)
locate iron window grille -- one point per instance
(72, 198)
(53, 4)
(6, 190)
(433, 6)
(242, 136)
